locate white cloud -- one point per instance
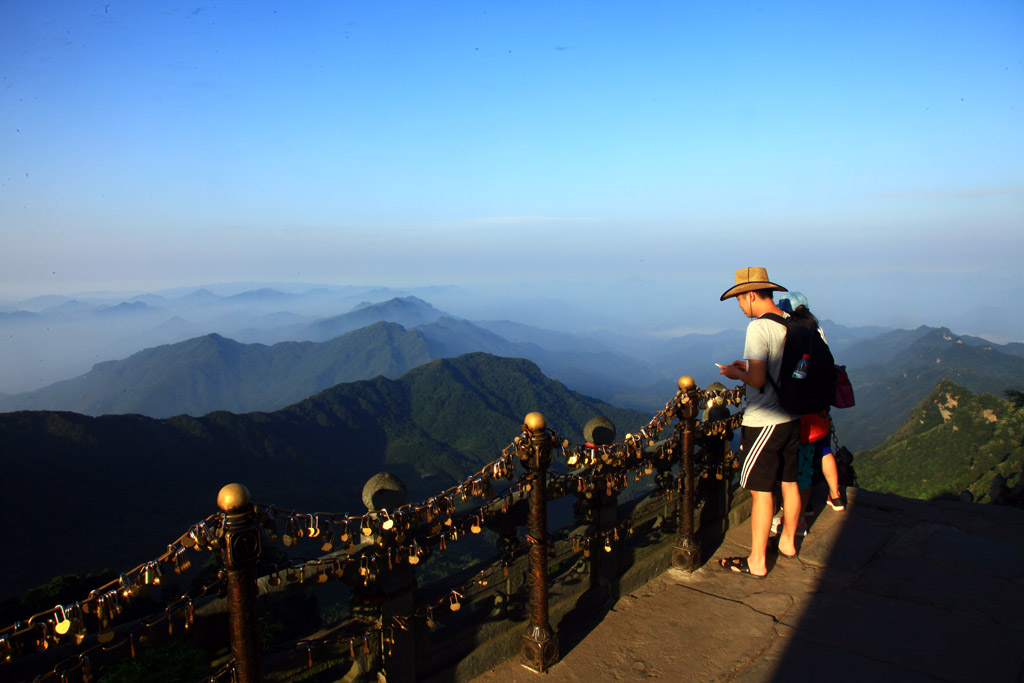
(517, 220)
(961, 192)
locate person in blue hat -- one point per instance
(813, 443)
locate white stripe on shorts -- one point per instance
(755, 450)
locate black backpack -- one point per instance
(817, 390)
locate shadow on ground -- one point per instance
(889, 589)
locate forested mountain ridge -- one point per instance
(910, 364)
(209, 373)
(953, 441)
(111, 491)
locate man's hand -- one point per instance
(754, 373)
(738, 370)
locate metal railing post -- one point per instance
(600, 431)
(240, 553)
(686, 554)
(392, 593)
(540, 643)
(714, 482)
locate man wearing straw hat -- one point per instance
(770, 434)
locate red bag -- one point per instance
(813, 426)
(844, 390)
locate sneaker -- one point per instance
(801, 529)
(836, 503)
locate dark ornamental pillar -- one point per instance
(600, 431)
(239, 554)
(540, 642)
(686, 554)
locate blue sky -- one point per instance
(864, 151)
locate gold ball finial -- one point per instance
(233, 498)
(535, 422)
(686, 383)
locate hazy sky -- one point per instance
(866, 150)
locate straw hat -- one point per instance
(749, 280)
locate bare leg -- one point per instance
(791, 512)
(760, 526)
(831, 472)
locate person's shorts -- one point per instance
(769, 454)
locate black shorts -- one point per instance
(769, 454)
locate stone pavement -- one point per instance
(891, 589)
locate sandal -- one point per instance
(738, 565)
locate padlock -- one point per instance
(327, 542)
(313, 530)
(62, 624)
(45, 632)
(290, 532)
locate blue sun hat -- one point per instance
(790, 301)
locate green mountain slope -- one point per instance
(210, 373)
(111, 491)
(887, 390)
(954, 440)
(585, 367)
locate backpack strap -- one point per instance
(774, 317)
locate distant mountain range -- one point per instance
(109, 492)
(891, 371)
(289, 355)
(953, 441)
(407, 311)
(52, 338)
(210, 373)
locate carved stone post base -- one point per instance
(539, 649)
(686, 555)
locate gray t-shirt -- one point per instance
(765, 341)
